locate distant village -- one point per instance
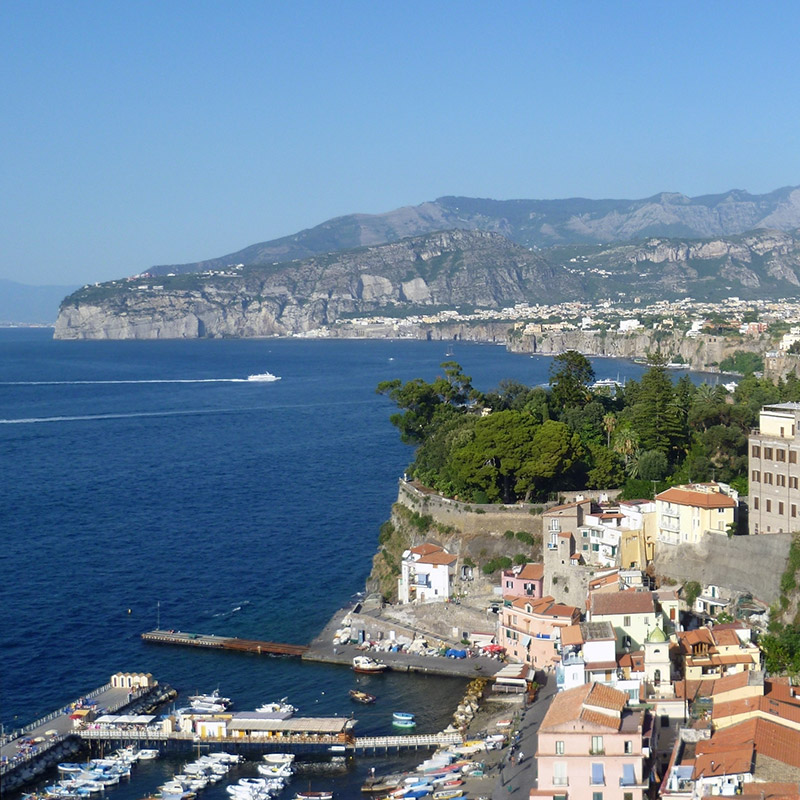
(662, 686)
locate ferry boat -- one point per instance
(368, 665)
(263, 377)
(362, 697)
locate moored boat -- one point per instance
(368, 665)
(362, 697)
(314, 796)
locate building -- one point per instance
(427, 573)
(773, 469)
(588, 654)
(684, 514)
(712, 653)
(591, 747)
(632, 614)
(530, 629)
(523, 581)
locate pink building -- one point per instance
(591, 746)
(529, 629)
(524, 581)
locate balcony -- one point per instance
(560, 781)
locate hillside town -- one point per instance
(660, 686)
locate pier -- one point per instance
(225, 643)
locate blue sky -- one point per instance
(143, 133)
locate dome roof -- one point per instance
(657, 635)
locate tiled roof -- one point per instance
(438, 558)
(597, 631)
(629, 602)
(566, 506)
(571, 635)
(426, 549)
(779, 689)
(544, 606)
(729, 683)
(724, 762)
(690, 497)
(769, 791)
(531, 572)
(568, 707)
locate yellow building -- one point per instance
(684, 514)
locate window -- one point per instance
(585, 547)
(768, 453)
(780, 508)
(665, 720)
(560, 774)
(780, 454)
(626, 622)
(627, 796)
(755, 503)
(780, 480)
(756, 476)
(595, 547)
(768, 478)
(598, 776)
(628, 747)
(792, 483)
(794, 510)
(756, 451)
(597, 796)
(793, 456)
(628, 775)
(769, 505)
(559, 748)
(555, 525)
(584, 534)
(597, 744)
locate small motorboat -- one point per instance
(368, 666)
(362, 697)
(402, 719)
(447, 794)
(314, 796)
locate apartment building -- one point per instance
(774, 470)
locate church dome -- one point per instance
(657, 635)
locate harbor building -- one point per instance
(427, 573)
(773, 470)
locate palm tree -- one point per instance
(609, 425)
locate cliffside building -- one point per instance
(774, 471)
(427, 573)
(685, 514)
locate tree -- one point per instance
(649, 465)
(607, 471)
(691, 591)
(655, 416)
(570, 375)
(556, 450)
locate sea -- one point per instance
(150, 483)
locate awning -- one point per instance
(526, 641)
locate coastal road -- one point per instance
(516, 780)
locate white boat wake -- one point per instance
(263, 377)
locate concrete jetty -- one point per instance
(224, 643)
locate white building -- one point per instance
(426, 574)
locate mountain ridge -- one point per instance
(530, 223)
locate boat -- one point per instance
(447, 794)
(368, 665)
(210, 703)
(314, 796)
(281, 707)
(263, 377)
(362, 697)
(278, 758)
(403, 716)
(147, 755)
(401, 723)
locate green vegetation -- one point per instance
(691, 591)
(742, 361)
(500, 562)
(536, 443)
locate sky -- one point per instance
(162, 132)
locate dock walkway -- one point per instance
(406, 742)
(224, 643)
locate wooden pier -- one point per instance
(225, 643)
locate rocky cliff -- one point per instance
(447, 269)
(531, 223)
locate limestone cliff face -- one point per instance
(453, 268)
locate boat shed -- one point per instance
(297, 729)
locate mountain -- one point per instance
(21, 304)
(418, 275)
(440, 270)
(530, 223)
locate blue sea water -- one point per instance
(148, 476)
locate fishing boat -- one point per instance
(403, 719)
(368, 665)
(314, 796)
(362, 697)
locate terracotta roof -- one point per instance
(438, 559)
(594, 666)
(426, 549)
(565, 535)
(532, 572)
(571, 635)
(777, 741)
(544, 606)
(760, 705)
(633, 661)
(606, 580)
(568, 707)
(724, 762)
(729, 683)
(691, 497)
(769, 791)
(725, 638)
(779, 689)
(629, 602)
(565, 506)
